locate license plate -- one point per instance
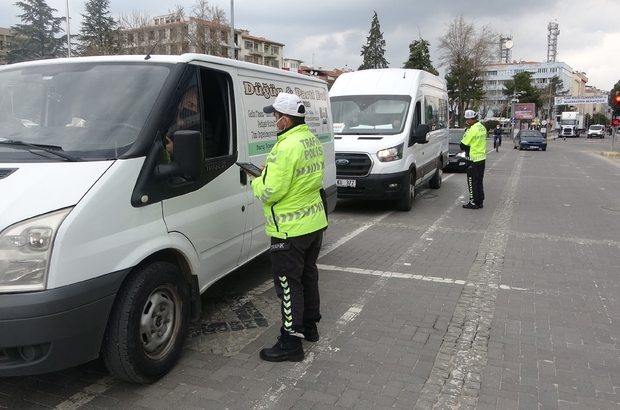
(345, 183)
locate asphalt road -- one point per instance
(514, 306)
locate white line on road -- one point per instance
(87, 394)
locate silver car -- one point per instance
(596, 131)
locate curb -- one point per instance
(610, 154)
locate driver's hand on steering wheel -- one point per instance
(169, 145)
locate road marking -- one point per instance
(87, 394)
(470, 325)
(399, 275)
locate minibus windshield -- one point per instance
(370, 114)
(85, 110)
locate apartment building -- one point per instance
(5, 39)
(175, 34)
(260, 50)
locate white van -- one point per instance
(107, 239)
(391, 133)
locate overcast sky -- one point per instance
(330, 33)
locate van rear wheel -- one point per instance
(406, 202)
(148, 324)
(435, 182)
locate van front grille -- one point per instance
(5, 172)
(352, 165)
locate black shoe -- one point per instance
(480, 205)
(311, 333)
(287, 348)
(469, 205)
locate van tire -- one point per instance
(435, 182)
(406, 202)
(148, 324)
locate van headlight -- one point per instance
(25, 250)
(390, 154)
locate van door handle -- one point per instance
(243, 177)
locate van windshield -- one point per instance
(86, 110)
(370, 114)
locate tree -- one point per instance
(374, 50)
(522, 83)
(599, 118)
(38, 38)
(99, 34)
(420, 57)
(212, 29)
(465, 50)
(465, 87)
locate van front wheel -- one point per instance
(406, 202)
(148, 324)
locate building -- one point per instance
(496, 75)
(176, 34)
(5, 39)
(591, 109)
(291, 64)
(260, 50)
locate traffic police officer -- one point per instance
(474, 144)
(289, 188)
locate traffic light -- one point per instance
(617, 105)
(615, 122)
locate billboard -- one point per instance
(574, 100)
(524, 111)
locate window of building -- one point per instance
(275, 50)
(275, 63)
(152, 35)
(249, 45)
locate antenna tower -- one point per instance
(505, 46)
(552, 41)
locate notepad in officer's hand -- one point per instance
(251, 168)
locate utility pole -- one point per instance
(232, 29)
(68, 31)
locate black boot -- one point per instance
(311, 333)
(469, 205)
(287, 348)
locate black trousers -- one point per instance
(296, 280)
(475, 175)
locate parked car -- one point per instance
(526, 139)
(455, 163)
(596, 131)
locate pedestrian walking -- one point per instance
(474, 144)
(289, 188)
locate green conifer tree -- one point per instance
(374, 50)
(39, 37)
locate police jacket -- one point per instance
(474, 142)
(290, 184)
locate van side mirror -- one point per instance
(188, 159)
(420, 135)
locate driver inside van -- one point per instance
(188, 118)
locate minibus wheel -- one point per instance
(148, 324)
(406, 202)
(435, 182)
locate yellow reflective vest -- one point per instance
(290, 184)
(475, 138)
